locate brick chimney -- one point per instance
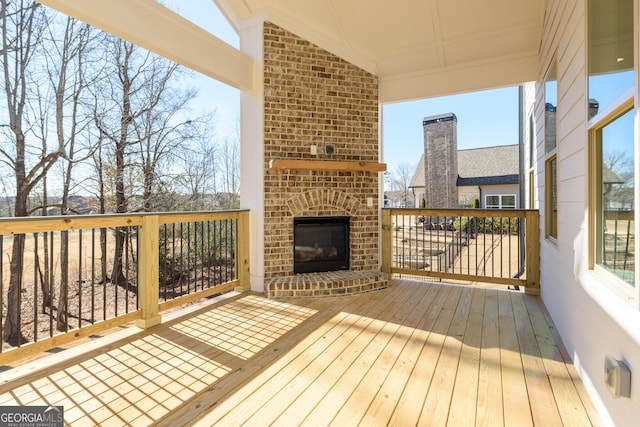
(441, 160)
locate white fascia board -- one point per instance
(451, 81)
(152, 26)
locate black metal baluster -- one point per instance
(103, 267)
(79, 278)
(209, 254)
(501, 234)
(93, 275)
(202, 258)
(135, 262)
(36, 261)
(127, 265)
(182, 270)
(21, 238)
(165, 253)
(188, 258)
(226, 249)
(51, 283)
(233, 246)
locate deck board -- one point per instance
(417, 353)
(386, 399)
(436, 406)
(540, 394)
(411, 401)
(489, 408)
(462, 411)
(515, 402)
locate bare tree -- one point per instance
(70, 76)
(197, 173)
(22, 24)
(617, 177)
(229, 167)
(117, 105)
(139, 112)
(116, 109)
(161, 131)
(400, 181)
(41, 132)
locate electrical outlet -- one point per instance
(314, 150)
(370, 202)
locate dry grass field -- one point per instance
(91, 298)
(192, 262)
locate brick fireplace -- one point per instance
(318, 107)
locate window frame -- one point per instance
(532, 192)
(628, 99)
(531, 141)
(500, 204)
(551, 194)
(550, 156)
(624, 103)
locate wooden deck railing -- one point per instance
(479, 245)
(61, 281)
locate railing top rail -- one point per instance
(471, 212)
(33, 224)
(176, 217)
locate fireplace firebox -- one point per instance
(320, 244)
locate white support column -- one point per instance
(252, 152)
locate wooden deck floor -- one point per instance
(414, 354)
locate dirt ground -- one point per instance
(91, 298)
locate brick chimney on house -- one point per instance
(441, 160)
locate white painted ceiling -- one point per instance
(409, 39)
(418, 48)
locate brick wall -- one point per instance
(312, 97)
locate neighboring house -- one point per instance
(489, 174)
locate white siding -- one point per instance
(592, 320)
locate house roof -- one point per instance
(418, 48)
(480, 166)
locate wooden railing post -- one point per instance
(532, 262)
(386, 242)
(148, 284)
(243, 251)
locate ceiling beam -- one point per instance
(152, 26)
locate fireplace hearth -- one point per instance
(320, 244)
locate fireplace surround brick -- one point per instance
(327, 284)
(312, 97)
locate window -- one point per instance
(550, 146)
(614, 185)
(612, 243)
(610, 51)
(531, 141)
(551, 187)
(532, 193)
(500, 201)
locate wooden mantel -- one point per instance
(327, 165)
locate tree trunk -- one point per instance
(11, 332)
(45, 284)
(62, 321)
(117, 273)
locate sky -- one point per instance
(487, 118)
